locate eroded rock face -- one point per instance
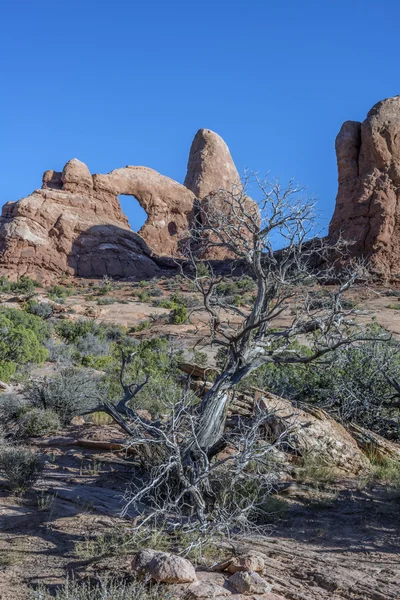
(367, 208)
(74, 224)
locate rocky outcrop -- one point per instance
(313, 433)
(367, 211)
(74, 224)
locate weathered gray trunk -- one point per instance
(215, 405)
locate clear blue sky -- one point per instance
(117, 82)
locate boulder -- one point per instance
(312, 431)
(164, 567)
(249, 583)
(367, 203)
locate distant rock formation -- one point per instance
(367, 210)
(210, 165)
(74, 224)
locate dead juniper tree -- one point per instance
(284, 307)
(185, 480)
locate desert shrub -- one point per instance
(72, 331)
(178, 314)
(58, 292)
(24, 285)
(106, 301)
(70, 392)
(21, 467)
(143, 296)
(357, 383)
(315, 468)
(165, 303)
(59, 352)
(44, 310)
(155, 292)
(91, 344)
(41, 329)
(21, 340)
(12, 406)
(107, 589)
(394, 306)
(38, 421)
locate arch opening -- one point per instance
(135, 214)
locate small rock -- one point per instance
(77, 420)
(248, 582)
(207, 590)
(164, 567)
(247, 562)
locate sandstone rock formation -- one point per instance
(367, 208)
(74, 223)
(210, 166)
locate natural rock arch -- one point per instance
(168, 204)
(74, 224)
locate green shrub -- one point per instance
(24, 285)
(353, 383)
(165, 304)
(106, 301)
(72, 331)
(178, 314)
(58, 292)
(143, 296)
(21, 340)
(21, 467)
(39, 421)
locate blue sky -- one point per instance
(127, 82)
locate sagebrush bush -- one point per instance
(70, 392)
(59, 352)
(39, 421)
(91, 344)
(21, 467)
(44, 310)
(12, 406)
(111, 589)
